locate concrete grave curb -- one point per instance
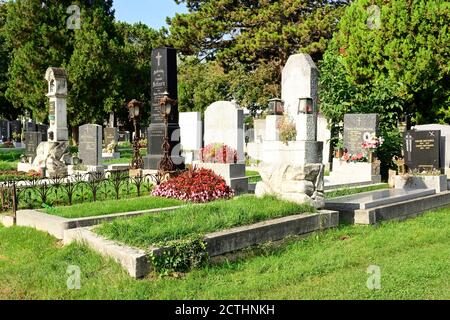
(136, 261)
(56, 226)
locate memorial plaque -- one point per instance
(90, 144)
(356, 127)
(111, 135)
(164, 79)
(422, 150)
(32, 141)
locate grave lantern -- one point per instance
(166, 103)
(134, 112)
(306, 106)
(276, 107)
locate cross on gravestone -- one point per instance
(422, 150)
(356, 127)
(164, 79)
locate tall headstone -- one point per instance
(422, 150)
(357, 128)
(224, 123)
(90, 148)
(32, 141)
(57, 94)
(111, 135)
(164, 79)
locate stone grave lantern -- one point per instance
(276, 107)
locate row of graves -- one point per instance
(293, 170)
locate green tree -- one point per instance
(404, 53)
(251, 40)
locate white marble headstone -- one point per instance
(224, 123)
(191, 130)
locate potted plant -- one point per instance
(339, 149)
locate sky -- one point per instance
(151, 12)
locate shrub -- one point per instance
(288, 131)
(196, 185)
(218, 153)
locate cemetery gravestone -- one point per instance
(43, 129)
(356, 126)
(30, 126)
(422, 150)
(224, 123)
(164, 79)
(445, 140)
(16, 130)
(32, 141)
(90, 149)
(111, 135)
(57, 94)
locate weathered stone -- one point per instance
(90, 149)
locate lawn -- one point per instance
(349, 191)
(254, 176)
(413, 256)
(125, 156)
(91, 209)
(194, 220)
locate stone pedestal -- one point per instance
(354, 172)
(233, 173)
(408, 182)
(272, 131)
(295, 152)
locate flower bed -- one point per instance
(196, 185)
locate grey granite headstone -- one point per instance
(32, 141)
(422, 150)
(111, 135)
(15, 128)
(43, 129)
(355, 127)
(30, 127)
(90, 148)
(445, 140)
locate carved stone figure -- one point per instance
(297, 183)
(53, 156)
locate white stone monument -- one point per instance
(294, 171)
(57, 94)
(224, 123)
(191, 132)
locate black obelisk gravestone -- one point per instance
(164, 78)
(422, 150)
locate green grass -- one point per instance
(349, 191)
(8, 165)
(125, 156)
(195, 220)
(254, 176)
(92, 209)
(413, 256)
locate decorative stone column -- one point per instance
(57, 94)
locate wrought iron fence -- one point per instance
(79, 188)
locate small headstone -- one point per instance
(30, 126)
(224, 123)
(445, 140)
(191, 130)
(43, 129)
(422, 150)
(111, 135)
(32, 141)
(90, 148)
(356, 127)
(15, 128)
